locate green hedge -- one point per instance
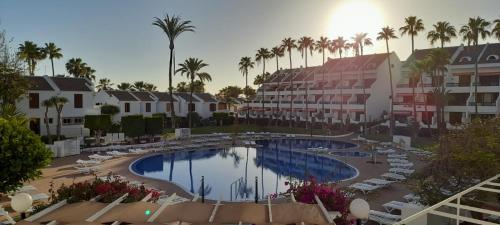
(110, 109)
(154, 125)
(98, 122)
(133, 126)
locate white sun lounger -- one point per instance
(100, 157)
(365, 188)
(392, 205)
(396, 160)
(88, 162)
(26, 188)
(383, 218)
(378, 182)
(399, 156)
(402, 165)
(40, 197)
(401, 171)
(116, 153)
(137, 151)
(386, 151)
(411, 197)
(394, 176)
(87, 170)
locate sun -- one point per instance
(355, 16)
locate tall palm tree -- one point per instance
(305, 45)
(340, 45)
(360, 40)
(245, 64)
(321, 45)
(277, 52)
(259, 80)
(386, 34)
(140, 85)
(124, 86)
(414, 76)
(438, 59)
(496, 30)
(191, 69)
(76, 67)
(288, 44)
(412, 26)
(471, 32)
(48, 103)
(31, 53)
(262, 55)
(173, 27)
(53, 52)
(104, 84)
(58, 102)
(443, 32)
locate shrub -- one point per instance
(110, 109)
(98, 124)
(133, 126)
(22, 155)
(154, 125)
(195, 119)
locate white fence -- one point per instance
(65, 147)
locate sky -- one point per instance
(116, 37)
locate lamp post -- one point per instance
(360, 209)
(20, 203)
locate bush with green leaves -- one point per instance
(110, 109)
(98, 124)
(154, 125)
(133, 126)
(22, 155)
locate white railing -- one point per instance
(491, 185)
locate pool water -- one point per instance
(351, 154)
(230, 174)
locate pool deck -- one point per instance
(61, 171)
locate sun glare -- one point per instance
(354, 16)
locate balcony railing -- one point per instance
(482, 104)
(457, 85)
(486, 84)
(298, 102)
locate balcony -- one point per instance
(298, 102)
(486, 84)
(457, 85)
(482, 104)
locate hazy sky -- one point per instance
(117, 38)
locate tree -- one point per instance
(475, 28)
(104, 84)
(412, 26)
(198, 87)
(182, 87)
(230, 92)
(262, 55)
(58, 102)
(245, 64)
(321, 45)
(10, 112)
(110, 109)
(173, 27)
(496, 30)
(278, 52)
(463, 157)
(22, 154)
(250, 92)
(140, 86)
(47, 104)
(149, 87)
(13, 84)
(386, 34)
(305, 45)
(339, 45)
(288, 44)
(76, 67)
(31, 53)
(133, 126)
(124, 86)
(260, 80)
(154, 125)
(191, 69)
(442, 32)
(98, 124)
(438, 59)
(53, 52)
(360, 40)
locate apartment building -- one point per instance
(330, 93)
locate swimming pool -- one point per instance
(230, 173)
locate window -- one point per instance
(78, 120)
(167, 107)
(192, 107)
(127, 107)
(148, 107)
(34, 101)
(492, 57)
(66, 120)
(50, 121)
(465, 59)
(212, 107)
(78, 101)
(72, 120)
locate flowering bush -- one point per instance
(332, 197)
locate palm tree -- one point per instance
(124, 86)
(59, 103)
(321, 45)
(305, 44)
(31, 53)
(173, 27)
(139, 85)
(413, 76)
(438, 59)
(259, 80)
(76, 67)
(412, 26)
(149, 87)
(48, 103)
(475, 28)
(53, 52)
(443, 32)
(359, 41)
(496, 30)
(245, 64)
(191, 69)
(277, 52)
(289, 44)
(104, 84)
(386, 34)
(89, 73)
(261, 56)
(340, 45)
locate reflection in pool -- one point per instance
(230, 173)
